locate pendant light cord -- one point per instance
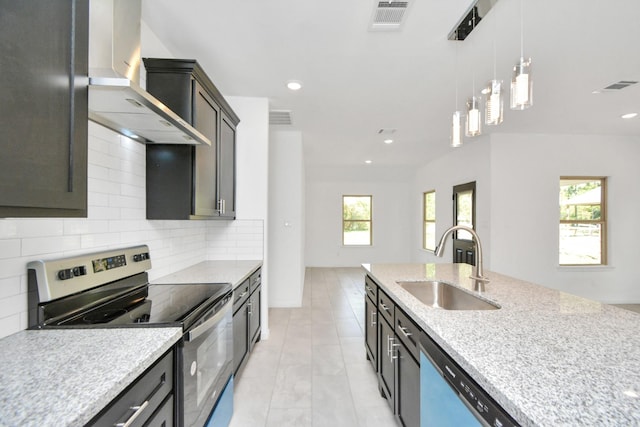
(521, 28)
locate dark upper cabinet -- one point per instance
(188, 182)
(43, 108)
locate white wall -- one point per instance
(524, 233)
(517, 213)
(390, 188)
(286, 219)
(471, 162)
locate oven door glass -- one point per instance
(207, 359)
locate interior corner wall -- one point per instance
(471, 162)
(287, 223)
(390, 188)
(252, 177)
(525, 182)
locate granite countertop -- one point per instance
(64, 377)
(547, 357)
(234, 272)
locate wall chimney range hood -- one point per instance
(116, 100)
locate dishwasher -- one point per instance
(448, 395)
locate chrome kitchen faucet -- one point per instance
(478, 279)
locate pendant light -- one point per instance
(494, 103)
(474, 118)
(456, 120)
(521, 82)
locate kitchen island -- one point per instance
(547, 357)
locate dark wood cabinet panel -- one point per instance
(386, 365)
(371, 332)
(246, 319)
(43, 109)
(407, 386)
(184, 87)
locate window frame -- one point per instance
(370, 220)
(426, 221)
(602, 221)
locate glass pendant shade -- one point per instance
(456, 129)
(522, 85)
(494, 105)
(474, 119)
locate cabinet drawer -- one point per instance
(143, 397)
(163, 416)
(408, 332)
(241, 294)
(371, 289)
(386, 306)
(256, 279)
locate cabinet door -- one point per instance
(240, 337)
(43, 108)
(254, 317)
(386, 372)
(227, 169)
(370, 340)
(407, 387)
(205, 119)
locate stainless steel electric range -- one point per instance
(111, 289)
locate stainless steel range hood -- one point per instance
(115, 98)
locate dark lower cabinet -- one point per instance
(246, 320)
(253, 310)
(391, 339)
(371, 331)
(407, 376)
(146, 402)
(386, 364)
(44, 108)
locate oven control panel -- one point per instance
(65, 276)
(104, 264)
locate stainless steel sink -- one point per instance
(443, 295)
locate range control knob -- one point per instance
(141, 257)
(81, 270)
(65, 274)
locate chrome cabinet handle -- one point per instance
(393, 357)
(243, 294)
(384, 307)
(138, 410)
(368, 288)
(373, 318)
(404, 331)
(250, 306)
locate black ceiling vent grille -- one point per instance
(620, 85)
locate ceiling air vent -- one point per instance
(388, 15)
(280, 118)
(620, 85)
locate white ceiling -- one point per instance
(358, 81)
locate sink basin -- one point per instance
(443, 295)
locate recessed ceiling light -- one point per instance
(294, 85)
(629, 115)
(388, 141)
(368, 162)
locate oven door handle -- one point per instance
(208, 324)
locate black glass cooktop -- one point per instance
(152, 305)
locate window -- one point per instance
(583, 221)
(356, 220)
(429, 218)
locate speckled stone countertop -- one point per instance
(547, 357)
(64, 377)
(234, 272)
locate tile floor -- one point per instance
(312, 371)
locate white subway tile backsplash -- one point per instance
(38, 246)
(10, 286)
(116, 218)
(10, 248)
